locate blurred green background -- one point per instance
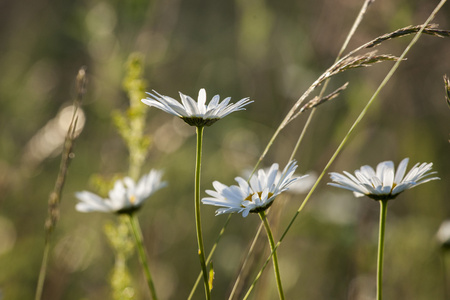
(270, 51)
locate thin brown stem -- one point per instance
(55, 195)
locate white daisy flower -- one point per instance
(125, 197)
(384, 183)
(255, 197)
(196, 113)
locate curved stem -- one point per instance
(383, 211)
(198, 222)
(263, 217)
(142, 255)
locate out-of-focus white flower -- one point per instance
(196, 113)
(303, 186)
(443, 234)
(255, 197)
(125, 197)
(384, 183)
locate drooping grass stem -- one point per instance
(142, 255)
(198, 221)
(352, 31)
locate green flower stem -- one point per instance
(383, 211)
(198, 221)
(142, 255)
(208, 259)
(263, 217)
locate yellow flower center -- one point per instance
(249, 198)
(132, 199)
(260, 208)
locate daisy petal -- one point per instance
(401, 171)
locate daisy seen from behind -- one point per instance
(254, 196)
(196, 113)
(126, 196)
(383, 183)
